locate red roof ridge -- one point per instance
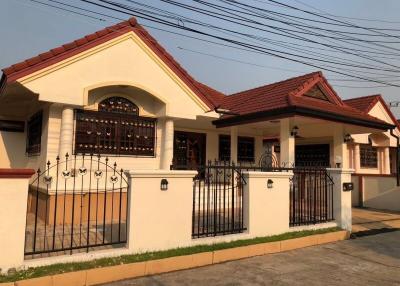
(67, 47)
(306, 83)
(274, 83)
(366, 100)
(26, 67)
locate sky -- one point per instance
(28, 28)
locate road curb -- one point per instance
(109, 274)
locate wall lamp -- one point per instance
(164, 185)
(295, 131)
(348, 138)
(270, 184)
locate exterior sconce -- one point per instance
(295, 131)
(348, 138)
(270, 184)
(338, 162)
(164, 185)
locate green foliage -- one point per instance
(125, 259)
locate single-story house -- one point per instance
(118, 94)
(52, 104)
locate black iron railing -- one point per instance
(311, 196)
(79, 203)
(218, 200)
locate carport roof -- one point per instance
(290, 97)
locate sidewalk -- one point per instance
(371, 260)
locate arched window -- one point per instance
(118, 104)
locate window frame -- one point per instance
(34, 122)
(224, 139)
(365, 153)
(244, 158)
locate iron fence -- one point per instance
(77, 204)
(218, 200)
(311, 196)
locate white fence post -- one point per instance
(266, 209)
(159, 219)
(14, 185)
(341, 198)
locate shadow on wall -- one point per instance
(381, 193)
(12, 150)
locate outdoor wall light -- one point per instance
(295, 131)
(270, 184)
(348, 138)
(164, 185)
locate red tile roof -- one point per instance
(282, 94)
(271, 96)
(289, 94)
(63, 52)
(366, 103)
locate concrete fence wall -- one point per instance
(160, 220)
(376, 191)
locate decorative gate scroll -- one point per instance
(79, 203)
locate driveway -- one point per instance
(368, 220)
(368, 260)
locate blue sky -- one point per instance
(27, 29)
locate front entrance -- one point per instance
(189, 150)
(316, 155)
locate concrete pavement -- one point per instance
(369, 260)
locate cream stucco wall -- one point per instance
(13, 147)
(13, 204)
(381, 193)
(125, 60)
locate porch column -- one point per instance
(66, 131)
(234, 144)
(167, 149)
(357, 164)
(386, 160)
(340, 152)
(287, 141)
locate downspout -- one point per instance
(397, 156)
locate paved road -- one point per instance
(369, 260)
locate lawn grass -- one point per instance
(125, 259)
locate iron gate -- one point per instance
(77, 204)
(311, 196)
(218, 200)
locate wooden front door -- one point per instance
(189, 150)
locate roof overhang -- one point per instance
(301, 111)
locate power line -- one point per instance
(205, 34)
(347, 17)
(261, 49)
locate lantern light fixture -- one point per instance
(295, 131)
(164, 185)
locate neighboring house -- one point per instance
(374, 157)
(118, 92)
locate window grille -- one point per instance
(117, 130)
(34, 134)
(368, 156)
